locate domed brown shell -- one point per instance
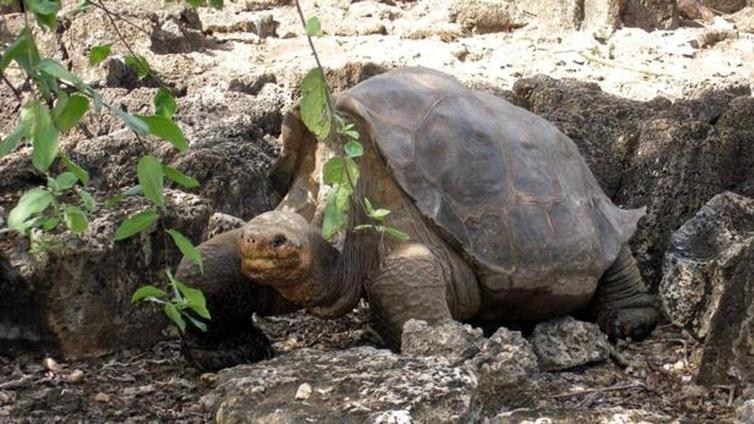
(501, 184)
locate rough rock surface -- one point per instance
(74, 296)
(707, 286)
(450, 339)
(221, 222)
(563, 343)
(356, 385)
(745, 412)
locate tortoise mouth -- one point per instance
(269, 264)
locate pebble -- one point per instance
(102, 397)
(77, 376)
(208, 378)
(304, 391)
(51, 365)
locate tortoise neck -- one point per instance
(342, 279)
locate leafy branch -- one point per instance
(341, 172)
(58, 101)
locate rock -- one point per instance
(356, 385)
(254, 5)
(712, 36)
(74, 296)
(485, 16)
(208, 378)
(563, 343)
(303, 392)
(650, 15)
(744, 19)
(222, 222)
(559, 15)
(507, 369)
(581, 415)
(707, 286)
(725, 6)
(602, 15)
(745, 413)
(76, 376)
(450, 339)
(102, 397)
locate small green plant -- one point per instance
(180, 305)
(57, 102)
(341, 172)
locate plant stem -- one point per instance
(316, 59)
(16, 93)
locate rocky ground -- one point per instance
(665, 119)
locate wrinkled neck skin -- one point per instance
(341, 276)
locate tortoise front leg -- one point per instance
(410, 284)
(621, 304)
(231, 337)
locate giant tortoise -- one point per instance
(506, 223)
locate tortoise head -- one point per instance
(282, 250)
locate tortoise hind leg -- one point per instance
(409, 285)
(231, 337)
(621, 304)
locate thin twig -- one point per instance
(13, 89)
(101, 6)
(619, 65)
(316, 58)
(601, 390)
(117, 31)
(15, 384)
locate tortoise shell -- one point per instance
(500, 184)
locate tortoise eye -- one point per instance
(279, 240)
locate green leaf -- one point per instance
(49, 224)
(336, 211)
(75, 219)
(187, 248)
(54, 68)
(314, 109)
(198, 324)
(147, 291)
(179, 177)
(24, 51)
(66, 180)
(10, 142)
(133, 191)
(342, 171)
(52, 184)
(33, 201)
(353, 149)
(164, 103)
(195, 3)
(139, 64)
(149, 171)
(80, 172)
(44, 135)
(194, 299)
(313, 27)
(72, 112)
(379, 214)
(135, 224)
(99, 53)
(395, 233)
(217, 4)
(167, 130)
(49, 21)
(133, 123)
(87, 200)
(44, 7)
(172, 312)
